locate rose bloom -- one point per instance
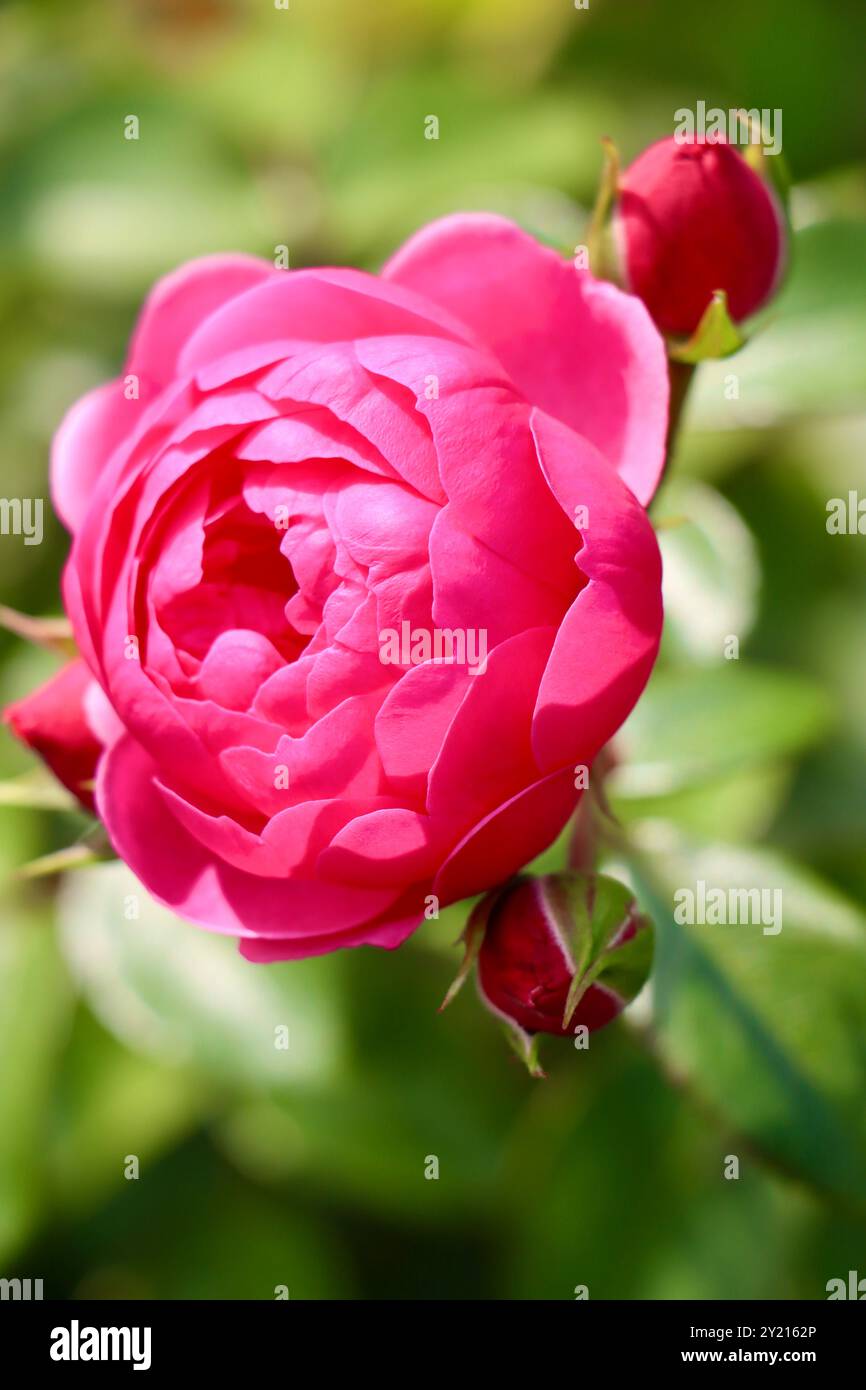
(294, 464)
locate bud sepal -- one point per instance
(715, 336)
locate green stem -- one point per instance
(680, 375)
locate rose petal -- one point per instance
(577, 347)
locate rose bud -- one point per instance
(52, 722)
(693, 218)
(557, 954)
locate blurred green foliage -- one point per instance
(305, 1167)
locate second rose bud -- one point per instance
(692, 217)
(560, 954)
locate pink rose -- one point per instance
(324, 474)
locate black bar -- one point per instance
(532, 1338)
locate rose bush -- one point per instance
(294, 463)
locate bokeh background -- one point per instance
(306, 1168)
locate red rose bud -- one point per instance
(693, 218)
(52, 722)
(557, 953)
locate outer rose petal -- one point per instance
(184, 876)
(508, 838)
(578, 347)
(388, 931)
(53, 722)
(321, 306)
(88, 434)
(97, 423)
(181, 301)
(607, 643)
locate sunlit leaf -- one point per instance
(764, 1015)
(710, 572)
(186, 995)
(695, 725)
(810, 355)
(35, 1006)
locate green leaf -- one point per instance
(80, 173)
(35, 1006)
(181, 994)
(391, 180)
(693, 726)
(738, 807)
(766, 1025)
(364, 1139)
(687, 1227)
(710, 571)
(113, 1102)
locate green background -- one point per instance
(306, 1167)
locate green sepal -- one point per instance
(53, 633)
(526, 1045)
(36, 791)
(592, 912)
(472, 937)
(601, 259)
(93, 848)
(772, 168)
(715, 336)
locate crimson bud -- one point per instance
(693, 218)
